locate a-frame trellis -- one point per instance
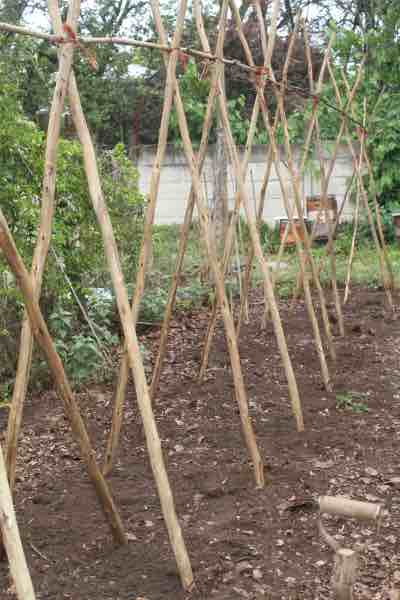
(30, 285)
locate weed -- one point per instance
(351, 401)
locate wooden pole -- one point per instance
(240, 390)
(12, 540)
(123, 41)
(188, 218)
(364, 195)
(269, 160)
(334, 154)
(113, 439)
(378, 219)
(44, 341)
(297, 198)
(142, 393)
(344, 574)
(145, 251)
(255, 238)
(353, 245)
(275, 153)
(331, 240)
(42, 245)
(324, 197)
(276, 273)
(228, 245)
(356, 215)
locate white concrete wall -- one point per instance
(175, 182)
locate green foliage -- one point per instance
(78, 351)
(153, 305)
(76, 238)
(353, 401)
(194, 93)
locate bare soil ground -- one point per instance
(243, 542)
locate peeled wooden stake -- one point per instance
(346, 560)
(344, 573)
(11, 539)
(45, 342)
(344, 507)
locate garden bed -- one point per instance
(243, 542)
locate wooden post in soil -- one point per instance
(42, 245)
(142, 393)
(271, 132)
(294, 178)
(261, 201)
(255, 238)
(364, 197)
(324, 196)
(11, 539)
(188, 217)
(357, 212)
(353, 244)
(143, 263)
(338, 140)
(113, 439)
(303, 249)
(378, 218)
(297, 198)
(331, 240)
(44, 341)
(276, 273)
(240, 390)
(345, 560)
(236, 213)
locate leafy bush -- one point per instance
(76, 239)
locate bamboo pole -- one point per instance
(121, 41)
(324, 197)
(113, 439)
(42, 245)
(12, 540)
(353, 246)
(378, 218)
(255, 238)
(303, 249)
(276, 273)
(273, 143)
(240, 390)
(45, 342)
(143, 398)
(356, 215)
(343, 112)
(228, 244)
(295, 177)
(310, 308)
(331, 240)
(188, 218)
(364, 198)
(145, 251)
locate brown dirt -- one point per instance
(243, 542)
